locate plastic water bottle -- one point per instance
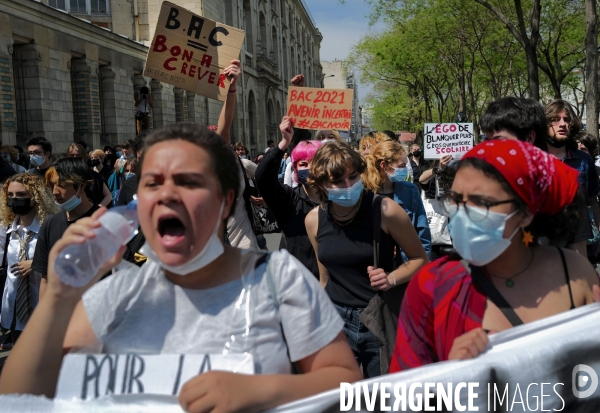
(77, 264)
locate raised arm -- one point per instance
(273, 191)
(233, 72)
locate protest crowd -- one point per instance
(388, 261)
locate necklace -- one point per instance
(509, 281)
(343, 223)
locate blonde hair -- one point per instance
(333, 131)
(370, 140)
(388, 152)
(79, 149)
(34, 184)
(98, 152)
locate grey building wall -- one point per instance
(67, 79)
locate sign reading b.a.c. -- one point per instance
(191, 51)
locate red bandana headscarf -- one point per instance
(543, 182)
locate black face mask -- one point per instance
(19, 206)
(303, 177)
(95, 162)
(417, 154)
(552, 141)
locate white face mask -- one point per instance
(211, 251)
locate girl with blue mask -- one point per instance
(341, 232)
(387, 175)
(508, 200)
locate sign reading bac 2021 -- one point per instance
(191, 51)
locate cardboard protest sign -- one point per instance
(191, 52)
(313, 108)
(89, 376)
(441, 139)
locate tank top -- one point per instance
(347, 251)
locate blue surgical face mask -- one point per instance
(400, 175)
(130, 155)
(70, 204)
(346, 197)
(37, 160)
(303, 176)
(128, 175)
(119, 154)
(243, 157)
(481, 241)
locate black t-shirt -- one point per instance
(41, 172)
(6, 171)
(128, 190)
(95, 193)
(51, 231)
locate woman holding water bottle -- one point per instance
(25, 203)
(194, 294)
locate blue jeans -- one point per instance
(363, 343)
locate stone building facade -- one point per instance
(69, 69)
(335, 76)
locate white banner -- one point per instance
(89, 376)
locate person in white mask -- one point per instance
(505, 194)
(195, 295)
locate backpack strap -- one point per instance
(485, 284)
(377, 199)
(273, 292)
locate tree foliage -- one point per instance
(438, 57)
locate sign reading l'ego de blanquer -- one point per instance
(313, 108)
(191, 51)
(441, 139)
(89, 376)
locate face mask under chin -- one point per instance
(212, 250)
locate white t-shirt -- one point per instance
(140, 310)
(239, 227)
(288, 177)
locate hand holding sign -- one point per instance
(298, 80)
(224, 392)
(233, 72)
(287, 132)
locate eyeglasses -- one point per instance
(478, 207)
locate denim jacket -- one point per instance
(408, 197)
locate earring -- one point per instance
(527, 237)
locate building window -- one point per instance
(58, 4)
(99, 6)
(78, 6)
(81, 6)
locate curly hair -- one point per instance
(329, 165)
(44, 203)
(388, 152)
(371, 139)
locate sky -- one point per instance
(342, 25)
